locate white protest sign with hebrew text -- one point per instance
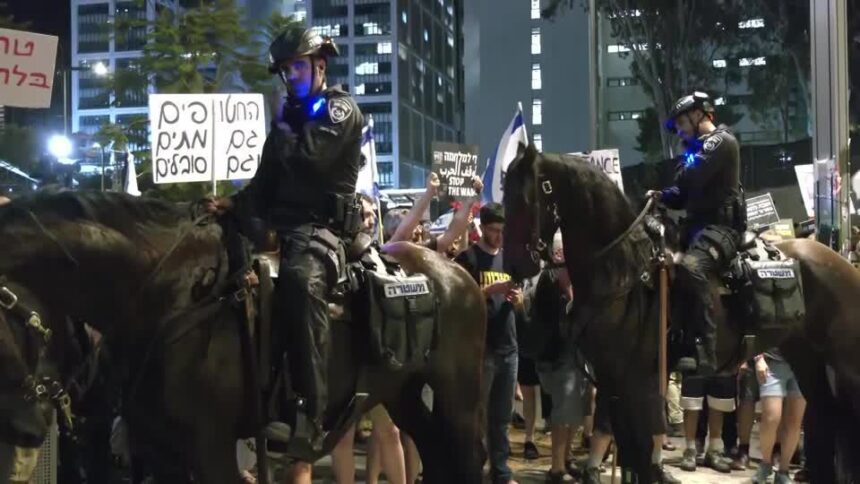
(609, 162)
(206, 137)
(26, 68)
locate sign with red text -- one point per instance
(206, 137)
(609, 162)
(26, 68)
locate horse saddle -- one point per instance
(393, 312)
(765, 291)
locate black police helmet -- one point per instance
(696, 100)
(295, 43)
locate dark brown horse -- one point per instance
(146, 277)
(606, 252)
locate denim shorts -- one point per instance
(780, 381)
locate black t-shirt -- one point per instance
(487, 269)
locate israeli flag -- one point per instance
(494, 175)
(368, 178)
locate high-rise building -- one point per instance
(402, 60)
(513, 56)
(623, 100)
(91, 102)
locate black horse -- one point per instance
(607, 251)
(149, 279)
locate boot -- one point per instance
(304, 441)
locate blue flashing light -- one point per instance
(317, 106)
(689, 159)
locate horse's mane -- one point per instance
(126, 214)
(601, 213)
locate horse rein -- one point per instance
(36, 387)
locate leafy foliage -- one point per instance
(20, 146)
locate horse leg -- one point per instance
(412, 417)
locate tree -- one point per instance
(19, 145)
(197, 49)
(773, 89)
(7, 21)
(673, 44)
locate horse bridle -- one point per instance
(37, 386)
(538, 247)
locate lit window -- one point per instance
(720, 101)
(536, 40)
(367, 68)
(753, 23)
(535, 9)
(300, 15)
(371, 28)
(383, 48)
(752, 61)
(719, 63)
(537, 112)
(450, 40)
(359, 89)
(536, 77)
(327, 30)
(426, 36)
(403, 17)
(618, 48)
(538, 140)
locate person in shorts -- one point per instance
(720, 391)
(781, 403)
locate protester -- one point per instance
(484, 262)
(781, 402)
(557, 366)
(404, 225)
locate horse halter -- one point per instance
(37, 386)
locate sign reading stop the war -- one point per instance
(206, 137)
(609, 162)
(26, 68)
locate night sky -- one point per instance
(51, 17)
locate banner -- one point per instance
(761, 211)
(26, 68)
(456, 165)
(609, 162)
(206, 137)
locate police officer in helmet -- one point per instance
(305, 189)
(708, 187)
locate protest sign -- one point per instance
(206, 137)
(456, 165)
(806, 182)
(26, 68)
(761, 211)
(609, 162)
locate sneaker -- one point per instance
(591, 475)
(688, 460)
(763, 473)
(715, 461)
(554, 477)
(782, 477)
(802, 475)
(741, 462)
(530, 451)
(659, 475)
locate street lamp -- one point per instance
(60, 146)
(99, 69)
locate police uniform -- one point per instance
(305, 189)
(708, 187)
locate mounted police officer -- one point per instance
(305, 189)
(708, 187)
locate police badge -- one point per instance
(712, 142)
(339, 110)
